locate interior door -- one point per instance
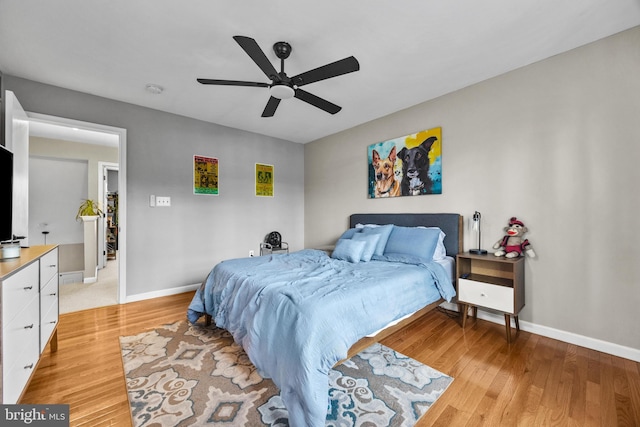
(17, 140)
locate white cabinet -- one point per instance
(20, 330)
(29, 315)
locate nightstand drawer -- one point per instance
(483, 294)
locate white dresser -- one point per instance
(29, 318)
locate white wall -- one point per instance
(556, 144)
(56, 188)
(62, 174)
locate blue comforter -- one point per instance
(297, 314)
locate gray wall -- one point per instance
(556, 144)
(177, 246)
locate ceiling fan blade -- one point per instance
(253, 50)
(231, 83)
(323, 104)
(270, 109)
(338, 68)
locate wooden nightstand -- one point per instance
(491, 282)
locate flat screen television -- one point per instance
(6, 193)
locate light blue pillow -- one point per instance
(414, 241)
(371, 241)
(441, 251)
(384, 231)
(349, 250)
(349, 233)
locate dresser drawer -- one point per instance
(487, 295)
(23, 364)
(48, 266)
(18, 290)
(20, 350)
(48, 311)
(16, 333)
(49, 322)
(49, 295)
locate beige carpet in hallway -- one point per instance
(81, 296)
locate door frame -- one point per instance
(121, 133)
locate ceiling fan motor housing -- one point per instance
(282, 49)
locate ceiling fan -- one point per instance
(283, 86)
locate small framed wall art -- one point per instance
(205, 175)
(264, 180)
(410, 165)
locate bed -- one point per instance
(297, 315)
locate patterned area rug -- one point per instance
(186, 375)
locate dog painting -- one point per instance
(415, 168)
(407, 166)
(386, 184)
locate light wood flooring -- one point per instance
(535, 381)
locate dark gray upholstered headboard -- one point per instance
(450, 223)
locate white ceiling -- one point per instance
(409, 51)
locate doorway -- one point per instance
(67, 129)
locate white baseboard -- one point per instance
(163, 293)
(568, 337)
(93, 279)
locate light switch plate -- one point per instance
(163, 201)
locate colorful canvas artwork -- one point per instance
(410, 165)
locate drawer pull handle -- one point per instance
(52, 265)
(28, 288)
(52, 295)
(482, 294)
(29, 326)
(29, 366)
(53, 322)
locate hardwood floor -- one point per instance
(535, 381)
(86, 372)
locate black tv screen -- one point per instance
(6, 193)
